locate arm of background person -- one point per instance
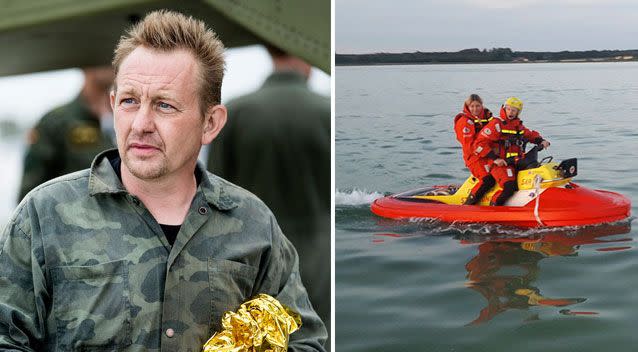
(465, 131)
(22, 287)
(532, 135)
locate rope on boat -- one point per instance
(537, 186)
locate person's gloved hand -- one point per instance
(500, 162)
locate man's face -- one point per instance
(475, 108)
(511, 112)
(158, 120)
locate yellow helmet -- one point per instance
(515, 103)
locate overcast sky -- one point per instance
(366, 26)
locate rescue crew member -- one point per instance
(467, 126)
(503, 138)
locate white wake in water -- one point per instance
(356, 197)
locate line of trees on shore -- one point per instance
(484, 56)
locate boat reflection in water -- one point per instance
(505, 268)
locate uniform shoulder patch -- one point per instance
(497, 127)
(469, 121)
(466, 130)
(487, 131)
(84, 135)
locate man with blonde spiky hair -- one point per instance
(145, 251)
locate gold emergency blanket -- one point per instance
(259, 325)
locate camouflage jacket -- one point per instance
(65, 140)
(85, 266)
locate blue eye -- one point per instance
(128, 101)
(165, 106)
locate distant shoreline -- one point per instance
(487, 63)
(492, 56)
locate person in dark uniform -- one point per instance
(276, 144)
(67, 138)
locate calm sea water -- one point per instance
(427, 286)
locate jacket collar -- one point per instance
(279, 77)
(81, 108)
(103, 179)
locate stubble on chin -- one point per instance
(146, 169)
